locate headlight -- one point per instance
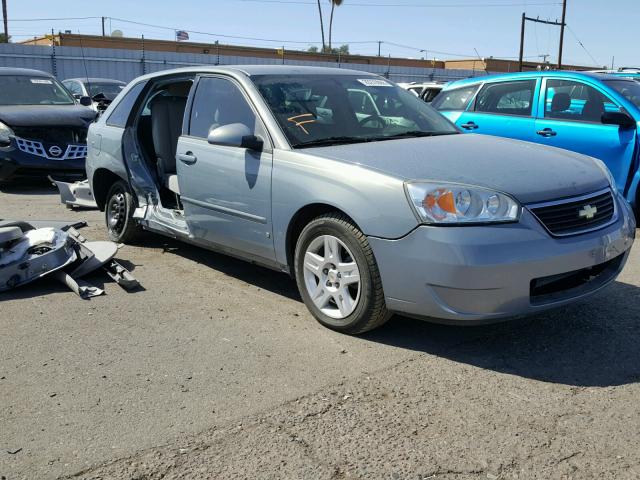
(450, 203)
(608, 174)
(5, 134)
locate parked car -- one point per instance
(590, 113)
(426, 91)
(43, 129)
(626, 72)
(101, 90)
(371, 212)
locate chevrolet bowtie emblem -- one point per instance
(588, 212)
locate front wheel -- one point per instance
(121, 226)
(338, 277)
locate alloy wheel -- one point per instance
(117, 212)
(331, 276)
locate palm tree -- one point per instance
(334, 4)
(321, 26)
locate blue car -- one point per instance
(590, 113)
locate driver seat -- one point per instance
(167, 113)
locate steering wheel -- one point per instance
(371, 117)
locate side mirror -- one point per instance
(235, 135)
(618, 118)
(86, 101)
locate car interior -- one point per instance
(159, 126)
(585, 104)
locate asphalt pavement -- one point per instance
(215, 369)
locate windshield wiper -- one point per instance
(414, 134)
(323, 142)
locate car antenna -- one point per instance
(482, 60)
(84, 63)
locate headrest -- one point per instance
(560, 102)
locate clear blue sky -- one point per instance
(606, 28)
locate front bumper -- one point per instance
(16, 163)
(487, 273)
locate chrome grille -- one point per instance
(72, 152)
(576, 215)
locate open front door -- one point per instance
(225, 190)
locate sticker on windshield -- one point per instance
(44, 81)
(301, 120)
(374, 82)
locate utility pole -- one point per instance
(562, 24)
(379, 44)
(524, 18)
(103, 27)
(537, 20)
(6, 21)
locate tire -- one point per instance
(326, 252)
(118, 211)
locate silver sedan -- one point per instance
(367, 196)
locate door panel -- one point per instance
(504, 109)
(226, 191)
(570, 120)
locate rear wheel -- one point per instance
(121, 227)
(338, 277)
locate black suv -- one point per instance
(43, 129)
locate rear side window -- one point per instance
(455, 99)
(577, 101)
(219, 102)
(120, 114)
(507, 98)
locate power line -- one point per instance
(582, 45)
(52, 19)
(411, 5)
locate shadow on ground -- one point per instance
(592, 343)
(29, 186)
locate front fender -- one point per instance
(375, 201)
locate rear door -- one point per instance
(226, 191)
(504, 109)
(570, 118)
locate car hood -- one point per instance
(527, 171)
(46, 115)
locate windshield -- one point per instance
(629, 89)
(108, 89)
(318, 110)
(25, 90)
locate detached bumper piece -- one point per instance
(77, 194)
(28, 253)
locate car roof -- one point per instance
(96, 80)
(9, 71)
(254, 70)
(568, 74)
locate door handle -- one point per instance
(187, 158)
(469, 126)
(546, 132)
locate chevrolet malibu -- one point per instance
(369, 198)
